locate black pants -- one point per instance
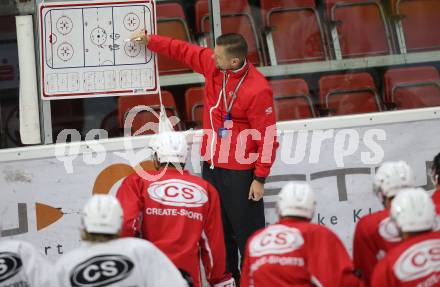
(241, 216)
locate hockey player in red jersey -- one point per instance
(376, 234)
(435, 176)
(179, 213)
(294, 251)
(416, 261)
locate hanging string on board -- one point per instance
(98, 80)
(165, 124)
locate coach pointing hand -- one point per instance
(239, 142)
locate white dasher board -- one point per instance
(83, 50)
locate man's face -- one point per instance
(222, 59)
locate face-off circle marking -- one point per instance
(131, 22)
(64, 25)
(132, 49)
(98, 36)
(65, 51)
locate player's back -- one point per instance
(180, 214)
(22, 265)
(375, 234)
(176, 208)
(295, 253)
(119, 262)
(415, 262)
(379, 228)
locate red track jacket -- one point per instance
(374, 236)
(415, 262)
(252, 109)
(180, 214)
(295, 253)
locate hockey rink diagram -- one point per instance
(85, 49)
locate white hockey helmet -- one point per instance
(413, 210)
(170, 147)
(393, 176)
(102, 214)
(296, 198)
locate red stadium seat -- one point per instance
(420, 23)
(172, 23)
(361, 27)
(297, 20)
(226, 6)
(170, 9)
(235, 18)
(348, 94)
(267, 5)
(415, 87)
(194, 105)
(292, 99)
(125, 104)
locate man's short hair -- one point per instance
(235, 45)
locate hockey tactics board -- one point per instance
(84, 50)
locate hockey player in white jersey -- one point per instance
(106, 260)
(22, 266)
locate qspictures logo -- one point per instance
(296, 146)
(67, 153)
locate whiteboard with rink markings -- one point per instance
(84, 50)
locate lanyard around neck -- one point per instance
(234, 94)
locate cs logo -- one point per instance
(418, 261)
(276, 239)
(101, 270)
(10, 265)
(177, 192)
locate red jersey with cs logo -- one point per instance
(296, 253)
(415, 262)
(180, 214)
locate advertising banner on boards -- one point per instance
(42, 197)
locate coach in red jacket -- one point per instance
(179, 213)
(239, 127)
